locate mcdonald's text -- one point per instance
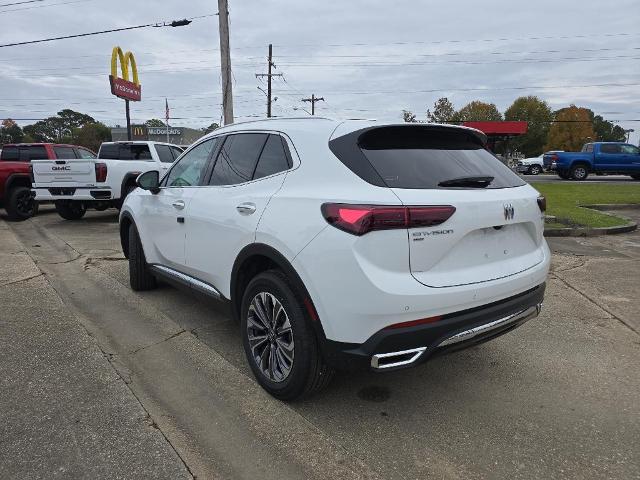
(125, 89)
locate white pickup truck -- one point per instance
(77, 184)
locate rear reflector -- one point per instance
(413, 323)
(101, 172)
(361, 219)
(542, 203)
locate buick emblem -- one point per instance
(509, 213)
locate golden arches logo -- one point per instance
(121, 86)
(126, 59)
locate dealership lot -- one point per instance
(556, 398)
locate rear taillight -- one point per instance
(101, 172)
(554, 157)
(542, 203)
(31, 179)
(361, 219)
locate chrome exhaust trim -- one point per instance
(396, 359)
(518, 317)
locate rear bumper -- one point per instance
(390, 349)
(47, 194)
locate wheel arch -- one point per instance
(16, 180)
(257, 258)
(128, 179)
(126, 220)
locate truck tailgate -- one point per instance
(80, 172)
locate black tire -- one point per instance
(308, 373)
(563, 175)
(140, 276)
(70, 210)
(20, 204)
(535, 170)
(579, 172)
(636, 176)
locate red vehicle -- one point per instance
(15, 179)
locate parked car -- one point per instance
(343, 245)
(15, 181)
(78, 183)
(599, 158)
(531, 165)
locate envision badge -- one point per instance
(418, 236)
(509, 212)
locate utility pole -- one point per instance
(313, 101)
(225, 61)
(270, 65)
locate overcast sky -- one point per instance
(368, 59)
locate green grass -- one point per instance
(564, 200)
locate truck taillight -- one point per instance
(101, 172)
(361, 219)
(31, 179)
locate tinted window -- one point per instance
(609, 148)
(176, 152)
(84, 153)
(64, 152)
(10, 154)
(34, 152)
(190, 168)
(630, 149)
(273, 158)
(164, 153)
(237, 158)
(421, 157)
(125, 151)
(588, 147)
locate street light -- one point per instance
(303, 109)
(629, 131)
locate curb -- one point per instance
(597, 231)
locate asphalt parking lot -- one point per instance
(556, 398)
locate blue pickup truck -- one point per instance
(597, 157)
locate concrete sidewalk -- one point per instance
(64, 411)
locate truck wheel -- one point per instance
(70, 210)
(140, 277)
(579, 172)
(636, 176)
(563, 175)
(279, 342)
(21, 204)
(535, 170)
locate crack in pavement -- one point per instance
(158, 343)
(22, 279)
(579, 292)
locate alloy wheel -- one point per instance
(25, 203)
(270, 337)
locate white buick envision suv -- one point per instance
(343, 245)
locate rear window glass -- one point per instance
(588, 147)
(125, 151)
(609, 148)
(9, 154)
(273, 158)
(164, 153)
(422, 158)
(237, 158)
(64, 152)
(34, 152)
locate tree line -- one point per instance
(564, 129)
(68, 126)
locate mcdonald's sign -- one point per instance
(121, 86)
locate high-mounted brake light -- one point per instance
(101, 172)
(361, 219)
(542, 203)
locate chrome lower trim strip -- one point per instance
(378, 357)
(521, 316)
(192, 282)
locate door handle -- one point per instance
(246, 208)
(179, 204)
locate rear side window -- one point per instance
(84, 153)
(10, 154)
(418, 157)
(273, 158)
(237, 158)
(125, 151)
(176, 152)
(630, 149)
(164, 153)
(64, 152)
(609, 148)
(33, 152)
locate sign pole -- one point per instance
(126, 106)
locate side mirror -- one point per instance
(149, 181)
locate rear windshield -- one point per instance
(422, 158)
(125, 151)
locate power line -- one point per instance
(44, 6)
(19, 3)
(157, 24)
